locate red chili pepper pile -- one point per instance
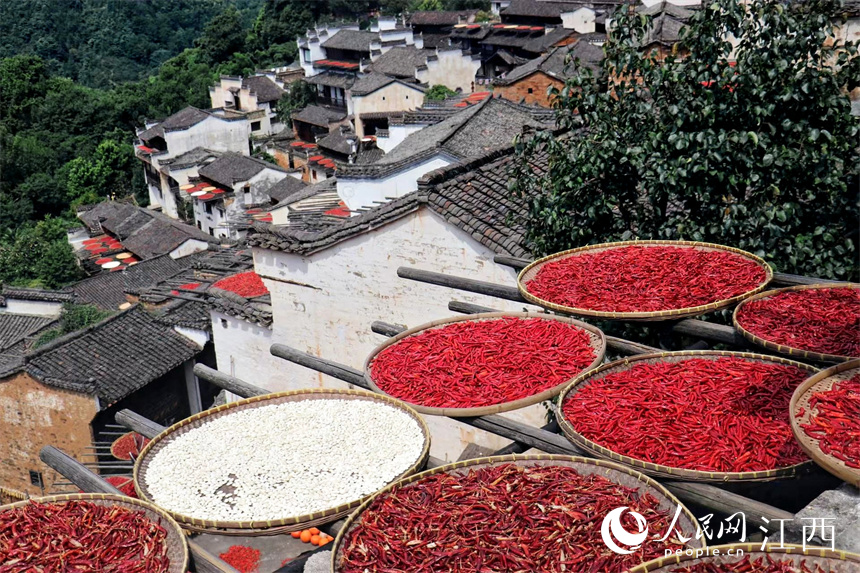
(128, 446)
(482, 362)
(245, 559)
(721, 415)
(501, 518)
(123, 484)
(825, 320)
(247, 285)
(835, 421)
(645, 279)
(764, 564)
(80, 536)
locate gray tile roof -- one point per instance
(190, 158)
(678, 12)
(338, 142)
(665, 30)
(554, 63)
(329, 184)
(112, 358)
(264, 87)
(35, 294)
(144, 232)
(442, 18)
(401, 62)
(542, 44)
(538, 8)
(185, 313)
(108, 290)
(333, 79)
(232, 168)
(16, 327)
(319, 116)
(374, 81)
(257, 310)
(180, 120)
(354, 40)
(285, 188)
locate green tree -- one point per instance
(39, 254)
(106, 174)
(299, 95)
(73, 318)
(751, 146)
(222, 37)
(439, 92)
(429, 5)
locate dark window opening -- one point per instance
(208, 208)
(212, 232)
(531, 90)
(36, 478)
(223, 323)
(255, 126)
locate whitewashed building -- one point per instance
(329, 282)
(256, 97)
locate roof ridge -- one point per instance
(443, 174)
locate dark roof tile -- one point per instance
(353, 40)
(232, 168)
(265, 89)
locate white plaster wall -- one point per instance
(189, 247)
(393, 97)
(452, 69)
(499, 5)
(199, 337)
(31, 307)
(581, 20)
(396, 135)
(219, 94)
(357, 193)
(167, 199)
(242, 350)
(324, 303)
(261, 182)
(280, 215)
(212, 133)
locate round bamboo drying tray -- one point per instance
(658, 470)
(831, 561)
(177, 549)
(821, 382)
(598, 343)
(788, 350)
(530, 272)
(616, 473)
(274, 526)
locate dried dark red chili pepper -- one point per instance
(482, 362)
(763, 564)
(645, 279)
(248, 285)
(80, 536)
(824, 320)
(123, 484)
(245, 559)
(720, 415)
(128, 446)
(835, 421)
(502, 518)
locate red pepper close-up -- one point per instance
(835, 421)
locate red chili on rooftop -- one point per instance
(248, 285)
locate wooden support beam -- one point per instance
(227, 382)
(137, 423)
(84, 479)
(709, 496)
(386, 328)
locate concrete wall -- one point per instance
(452, 69)
(531, 88)
(34, 416)
(31, 307)
(393, 97)
(242, 350)
(324, 303)
(357, 193)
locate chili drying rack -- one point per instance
(717, 498)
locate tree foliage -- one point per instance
(38, 255)
(298, 95)
(74, 317)
(439, 92)
(751, 145)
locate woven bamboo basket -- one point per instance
(822, 382)
(598, 343)
(274, 526)
(616, 473)
(658, 470)
(530, 272)
(829, 560)
(177, 549)
(788, 350)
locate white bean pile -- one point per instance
(283, 460)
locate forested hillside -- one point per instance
(77, 77)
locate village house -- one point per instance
(435, 26)
(190, 128)
(256, 97)
(469, 132)
(530, 82)
(330, 278)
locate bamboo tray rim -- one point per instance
(780, 348)
(810, 445)
(597, 343)
(661, 470)
(748, 548)
(644, 315)
(523, 459)
(175, 536)
(270, 526)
